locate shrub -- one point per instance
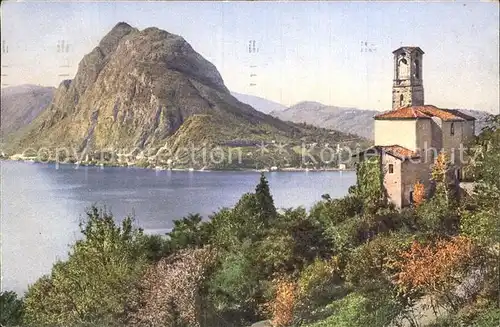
(488, 318)
(283, 305)
(189, 232)
(355, 310)
(418, 193)
(170, 290)
(293, 243)
(436, 269)
(318, 284)
(235, 283)
(97, 282)
(11, 309)
(333, 212)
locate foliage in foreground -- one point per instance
(353, 261)
(11, 309)
(97, 282)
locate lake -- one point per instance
(41, 204)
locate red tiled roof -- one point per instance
(426, 111)
(398, 151)
(406, 112)
(393, 150)
(460, 114)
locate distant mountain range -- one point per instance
(349, 120)
(21, 104)
(146, 90)
(258, 103)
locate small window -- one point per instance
(401, 98)
(411, 197)
(452, 129)
(417, 69)
(391, 168)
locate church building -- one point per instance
(409, 137)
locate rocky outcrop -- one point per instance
(136, 89)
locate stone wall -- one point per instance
(411, 172)
(412, 96)
(424, 134)
(436, 133)
(452, 142)
(407, 87)
(392, 182)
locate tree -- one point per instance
(356, 310)
(438, 215)
(189, 231)
(267, 210)
(292, 243)
(98, 280)
(441, 176)
(318, 284)
(334, 211)
(480, 217)
(171, 290)
(235, 287)
(436, 269)
(11, 309)
(369, 185)
(418, 193)
(371, 265)
(283, 305)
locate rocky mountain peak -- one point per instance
(144, 89)
(109, 42)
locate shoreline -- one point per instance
(158, 168)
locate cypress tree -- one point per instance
(265, 202)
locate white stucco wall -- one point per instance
(400, 132)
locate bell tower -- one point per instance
(407, 87)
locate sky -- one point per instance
(305, 51)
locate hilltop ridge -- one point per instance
(136, 89)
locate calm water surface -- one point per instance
(41, 205)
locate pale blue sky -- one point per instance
(307, 51)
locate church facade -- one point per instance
(409, 137)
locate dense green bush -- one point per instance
(11, 309)
(371, 265)
(339, 264)
(356, 310)
(97, 281)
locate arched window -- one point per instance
(401, 98)
(403, 69)
(417, 69)
(452, 129)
